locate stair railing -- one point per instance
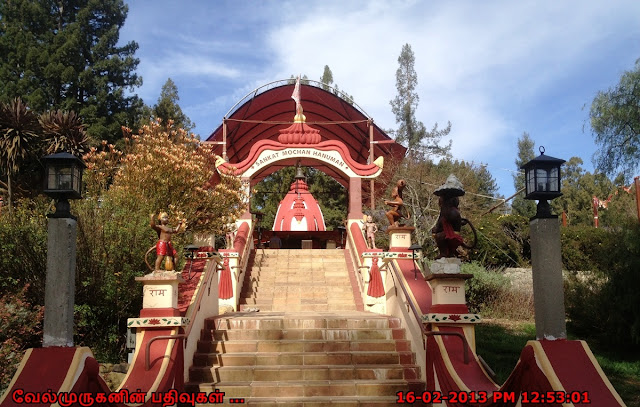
(417, 315)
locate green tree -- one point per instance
(65, 55)
(521, 206)
(167, 107)
(331, 196)
(327, 78)
(420, 142)
(615, 123)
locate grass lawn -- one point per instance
(500, 342)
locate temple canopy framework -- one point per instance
(257, 137)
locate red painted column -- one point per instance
(355, 198)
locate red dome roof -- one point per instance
(268, 112)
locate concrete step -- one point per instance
(306, 334)
(296, 300)
(311, 388)
(287, 372)
(289, 289)
(350, 358)
(289, 358)
(299, 307)
(302, 346)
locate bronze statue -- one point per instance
(396, 203)
(450, 222)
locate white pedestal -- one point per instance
(160, 290)
(448, 290)
(400, 237)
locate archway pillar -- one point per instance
(355, 198)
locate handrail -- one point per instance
(147, 362)
(423, 328)
(200, 294)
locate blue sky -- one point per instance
(494, 69)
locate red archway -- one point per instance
(264, 112)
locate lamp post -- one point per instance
(543, 183)
(63, 181)
(342, 229)
(415, 248)
(191, 255)
(259, 216)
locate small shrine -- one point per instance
(299, 210)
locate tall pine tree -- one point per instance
(327, 78)
(420, 142)
(65, 55)
(167, 107)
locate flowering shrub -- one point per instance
(165, 169)
(161, 169)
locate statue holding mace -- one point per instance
(164, 248)
(447, 228)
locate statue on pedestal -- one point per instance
(396, 203)
(447, 228)
(164, 248)
(369, 229)
(230, 235)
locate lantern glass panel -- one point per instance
(65, 178)
(531, 181)
(51, 178)
(553, 180)
(542, 180)
(59, 178)
(76, 179)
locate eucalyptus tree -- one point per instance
(615, 123)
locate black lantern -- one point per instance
(543, 181)
(63, 181)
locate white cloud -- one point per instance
(488, 67)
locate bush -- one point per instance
(602, 303)
(21, 329)
(494, 295)
(484, 288)
(582, 247)
(503, 241)
(23, 249)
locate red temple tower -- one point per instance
(299, 210)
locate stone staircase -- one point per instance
(308, 345)
(349, 358)
(298, 280)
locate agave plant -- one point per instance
(19, 137)
(64, 131)
(19, 133)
